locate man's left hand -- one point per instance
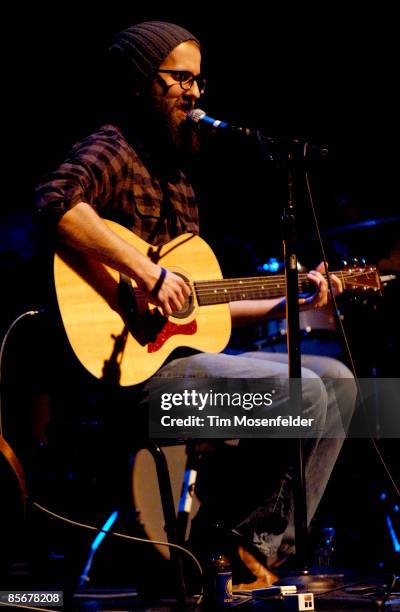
(321, 296)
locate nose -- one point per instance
(194, 91)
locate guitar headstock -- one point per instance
(360, 277)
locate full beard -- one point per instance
(176, 133)
(184, 137)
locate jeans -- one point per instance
(249, 486)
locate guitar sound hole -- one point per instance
(188, 306)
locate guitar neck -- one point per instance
(262, 287)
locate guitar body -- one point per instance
(114, 332)
(122, 338)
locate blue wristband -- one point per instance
(159, 283)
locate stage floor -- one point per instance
(129, 601)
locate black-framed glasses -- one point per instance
(186, 79)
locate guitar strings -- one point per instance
(262, 282)
(255, 286)
(273, 279)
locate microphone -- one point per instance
(273, 148)
(199, 117)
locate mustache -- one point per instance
(186, 105)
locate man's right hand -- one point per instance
(83, 229)
(171, 293)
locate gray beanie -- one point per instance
(144, 46)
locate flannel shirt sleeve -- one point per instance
(88, 175)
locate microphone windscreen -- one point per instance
(196, 115)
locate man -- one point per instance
(129, 171)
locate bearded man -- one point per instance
(129, 171)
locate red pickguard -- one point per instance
(171, 329)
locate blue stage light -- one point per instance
(95, 544)
(393, 535)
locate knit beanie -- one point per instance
(143, 47)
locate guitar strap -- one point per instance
(13, 462)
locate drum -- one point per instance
(146, 493)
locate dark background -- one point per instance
(326, 72)
(323, 71)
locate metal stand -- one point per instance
(289, 153)
(294, 364)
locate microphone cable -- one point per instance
(378, 451)
(131, 538)
(60, 517)
(28, 313)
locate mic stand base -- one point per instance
(312, 581)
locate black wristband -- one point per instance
(159, 283)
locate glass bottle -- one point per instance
(218, 575)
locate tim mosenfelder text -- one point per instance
(213, 420)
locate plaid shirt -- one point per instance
(104, 171)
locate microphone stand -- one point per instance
(289, 153)
(294, 364)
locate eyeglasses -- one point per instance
(186, 79)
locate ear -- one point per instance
(158, 86)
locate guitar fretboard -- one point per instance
(262, 287)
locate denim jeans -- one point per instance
(250, 487)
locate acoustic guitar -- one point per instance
(118, 335)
